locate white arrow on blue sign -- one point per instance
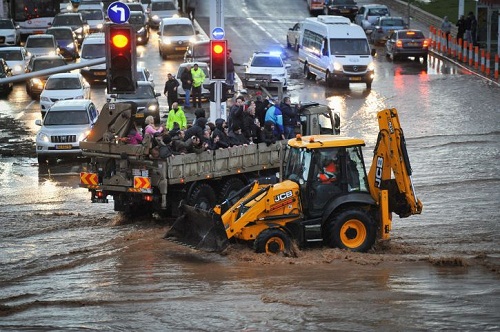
(118, 12)
(218, 33)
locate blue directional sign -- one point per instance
(218, 33)
(118, 12)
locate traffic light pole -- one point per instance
(217, 108)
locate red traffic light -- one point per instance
(218, 58)
(218, 48)
(120, 40)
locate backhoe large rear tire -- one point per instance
(354, 230)
(229, 188)
(272, 241)
(202, 196)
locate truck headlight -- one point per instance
(371, 66)
(43, 137)
(337, 66)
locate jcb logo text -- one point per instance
(283, 196)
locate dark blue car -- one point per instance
(67, 42)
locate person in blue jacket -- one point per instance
(274, 114)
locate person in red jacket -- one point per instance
(329, 172)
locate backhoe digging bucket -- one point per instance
(198, 229)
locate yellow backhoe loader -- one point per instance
(325, 196)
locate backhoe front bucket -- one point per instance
(199, 229)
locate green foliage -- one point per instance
(442, 8)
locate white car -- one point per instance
(160, 9)
(143, 74)
(16, 57)
(66, 123)
(43, 44)
(263, 64)
(63, 86)
(9, 33)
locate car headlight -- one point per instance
(83, 135)
(337, 66)
(99, 26)
(36, 81)
(155, 18)
(45, 99)
(192, 39)
(43, 137)
(79, 30)
(152, 107)
(70, 45)
(371, 66)
(17, 69)
(166, 41)
(141, 30)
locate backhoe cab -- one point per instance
(326, 197)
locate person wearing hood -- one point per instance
(268, 135)
(219, 135)
(236, 137)
(196, 129)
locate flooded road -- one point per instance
(69, 265)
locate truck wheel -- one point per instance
(202, 196)
(272, 241)
(353, 230)
(229, 188)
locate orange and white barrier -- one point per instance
(464, 56)
(471, 59)
(476, 57)
(483, 65)
(459, 49)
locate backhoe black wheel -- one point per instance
(202, 196)
(272, 241)
(353, 230)
(229, 188)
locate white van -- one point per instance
(175, 35)
(93, 47)
(336, 50)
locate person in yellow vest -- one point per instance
(198, 79)
(176, 115)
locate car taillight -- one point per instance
(399, 43)
(426, 43)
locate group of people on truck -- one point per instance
(249, 121)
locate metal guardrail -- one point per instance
(50, 71)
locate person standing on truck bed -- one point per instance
(176, 115)
(290, 117)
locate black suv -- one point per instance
(75, 21)
(346, 8)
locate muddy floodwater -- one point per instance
(69, 265)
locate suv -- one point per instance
(93, 48)
(66, 41)
(35, 85)
(265, 63)
(65, 124)
(94, 15)
(75, 21)
(43, 44)
(175, 34)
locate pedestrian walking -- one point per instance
(170, 90)
(191, 7)
(187, 84)
(230, 70)
(198, 79)
(446, 28)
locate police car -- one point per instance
(264, 68)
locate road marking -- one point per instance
(21, 114)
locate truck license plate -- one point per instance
(63, 147)
(355, 78)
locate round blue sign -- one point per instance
(218, 33)
(118, 12)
